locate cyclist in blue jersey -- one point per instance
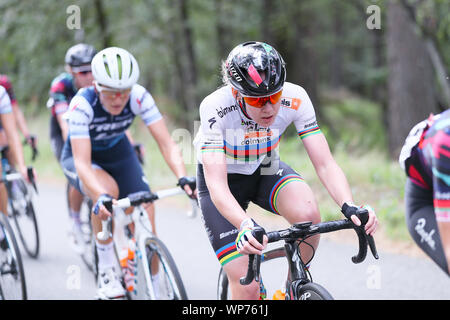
(97, 157)
(241, 126)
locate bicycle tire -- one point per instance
(222, 285)
(168, 273)
(222, 281)
(25, 220)
(311, 291)
(6, 268)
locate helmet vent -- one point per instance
(119, 64)
(105, 62)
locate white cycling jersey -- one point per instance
(5, 102)
(225, 127)
(87, 118)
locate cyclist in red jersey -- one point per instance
(21, 122)
(9, 126)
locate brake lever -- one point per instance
(372, 246)
(30, 175)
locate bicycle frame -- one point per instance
(142, 233)
(300, 231)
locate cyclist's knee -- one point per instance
(247, 292)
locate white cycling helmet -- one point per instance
(115, 67)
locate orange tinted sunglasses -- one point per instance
(259, 102)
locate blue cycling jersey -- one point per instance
(87, 118)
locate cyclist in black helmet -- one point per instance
(241, 126)
(63, 88)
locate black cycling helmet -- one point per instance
(247, 61)
(80, 54)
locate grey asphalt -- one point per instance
(59, 272)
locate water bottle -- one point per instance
(129, 264)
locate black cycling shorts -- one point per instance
(120, 161)
(56, 139)
(422, 224)
(261, 189)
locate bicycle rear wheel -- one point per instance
(311, 291)
(165, 280)
(12, 276)
(24, 217)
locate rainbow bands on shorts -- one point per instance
(278, 186)
(442, 210)
(309, 132)
(227, 253)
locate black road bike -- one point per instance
(299, 284)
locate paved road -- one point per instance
(59, 273)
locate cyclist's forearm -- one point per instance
(20, 121)
(63, 125)
(171, 153)
(334, 180)
(87, 176)
(13, 139)
(221, 196)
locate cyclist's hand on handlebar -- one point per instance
(353, 213)
(188, 184)
(99, 209)
(245, 242)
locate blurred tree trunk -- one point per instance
(336, 63)
(221, 31)
(410, 83)
(103, 22)
(184, 60)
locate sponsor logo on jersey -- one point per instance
(291, 103)
(222, 112)
(425, 236)
(211, 122)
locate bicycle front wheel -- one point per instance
(222, 286)
(311, 291)
(12, 276)
(164, 278)
(25, 220)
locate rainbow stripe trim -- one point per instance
(212, 148)
(227, 253)
(250, 152)
(442, 210)
(278, 186)
(309, 132)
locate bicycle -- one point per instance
(299, 284)
(149, 249)
(87, 252)
(12, 275)
(21, 208)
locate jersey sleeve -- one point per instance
(305, 117)
(58, 97)
(78, 117)
(437, 153)
(5, 101)
(143, 105)
(6, 83)
(210, 137)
